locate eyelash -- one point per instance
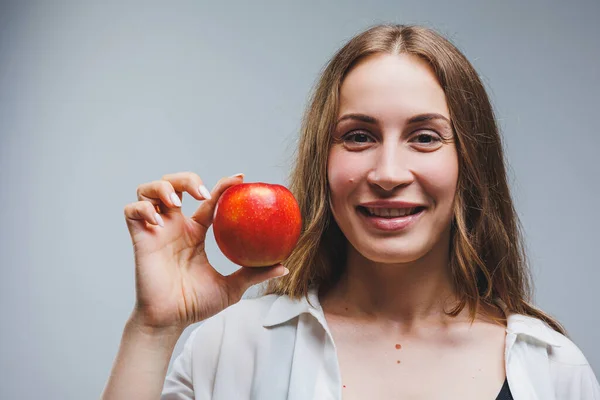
(347, 137)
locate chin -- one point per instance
(391, 253)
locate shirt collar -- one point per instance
(284, 309)
(519, 324)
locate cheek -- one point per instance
(440, 177)
(343, 172)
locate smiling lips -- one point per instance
(391, 212)
(390, 215)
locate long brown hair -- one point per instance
(487, 256)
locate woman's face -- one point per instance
(388, 150)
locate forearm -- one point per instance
(141, 364)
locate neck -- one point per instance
(406, 293)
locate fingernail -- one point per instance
(175, 199)
(285, 271)
(158, 219)
(204, 192)
(240, 175)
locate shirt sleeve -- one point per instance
(193, 373)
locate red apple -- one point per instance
(257, 224)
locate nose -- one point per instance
(391, 169)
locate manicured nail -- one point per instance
(158, 219)
(240, 175)
(285, 271)
(204, 192)
(175, 199)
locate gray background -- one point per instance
(99, 97)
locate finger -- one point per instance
(204, 214)
(243, 278)
(140, 213)
(160, 193)
(188, 182)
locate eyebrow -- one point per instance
(412, 120)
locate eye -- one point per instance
(427, 139)
(357, 139)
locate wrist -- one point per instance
(136, 326)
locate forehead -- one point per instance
(390, 86)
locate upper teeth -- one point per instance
(391, 212)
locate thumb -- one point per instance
(245, 277)
(205, 213)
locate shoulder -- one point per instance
(243, 318)
(231, 335)
(540, 348)
(535, 332)
(565, 351)
(224, 348)
(572, 374)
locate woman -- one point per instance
(409, 279)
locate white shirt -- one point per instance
(273, 348)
